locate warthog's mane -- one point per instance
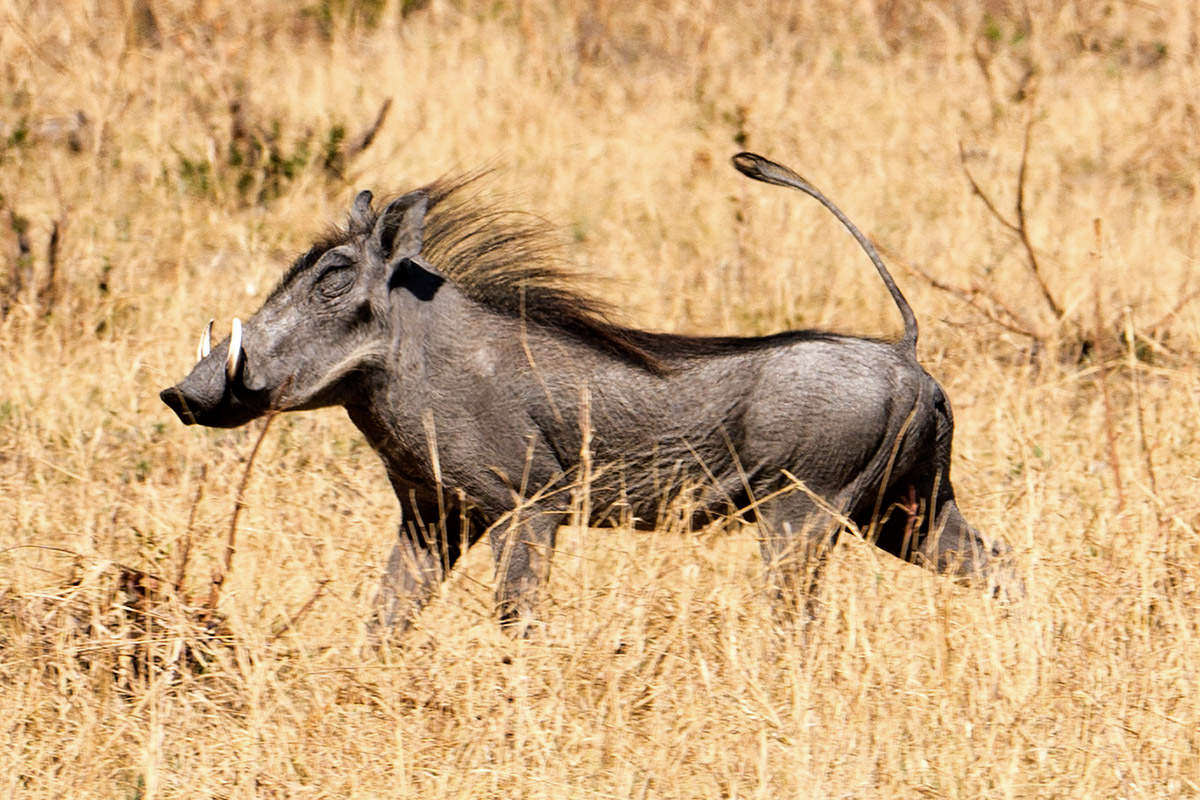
(513, 263)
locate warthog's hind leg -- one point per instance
(947, 543)
(919, 520)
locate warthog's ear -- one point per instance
(416, 275)
(401, 226)
(360, 213)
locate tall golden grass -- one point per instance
(162, 160)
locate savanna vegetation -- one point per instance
(182, 610)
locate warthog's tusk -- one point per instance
(235, 349)
(205, 346)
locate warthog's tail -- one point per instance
(761, 169)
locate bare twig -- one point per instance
(35, 48)
(984, 61)
(81, 557)
(240, 503)
(987, 201)
(21, 268)
(361, 142)
(1021, 226)
(294, 620)
(1015, 322)
(336, 162)
(1157, 327)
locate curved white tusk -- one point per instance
(235, 349)
(205, 346)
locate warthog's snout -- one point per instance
(213, 393)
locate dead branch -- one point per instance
(1023, 228)
(219, 576)
(982, 195)
(1139, 413)
(1020, 227)
(47, 293)
(1157, 327)
(79, 557)
(1015, 322)
(336, 162)
(294, 620)
(361, 142)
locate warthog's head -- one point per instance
(323, 327)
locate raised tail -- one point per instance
(761, 169)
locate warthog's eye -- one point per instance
(335, 280)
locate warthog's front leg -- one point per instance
(522, 545)
(429, 543)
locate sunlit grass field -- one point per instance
(162, 161)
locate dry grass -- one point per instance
(662, 673)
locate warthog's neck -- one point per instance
(392, 439)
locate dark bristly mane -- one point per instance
(511, 263)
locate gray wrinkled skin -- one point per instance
(476, 395)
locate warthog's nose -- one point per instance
(175, 401)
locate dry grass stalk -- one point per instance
(185, 551)
(1139, 412)
(1110, 432)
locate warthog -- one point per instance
(493, 391)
